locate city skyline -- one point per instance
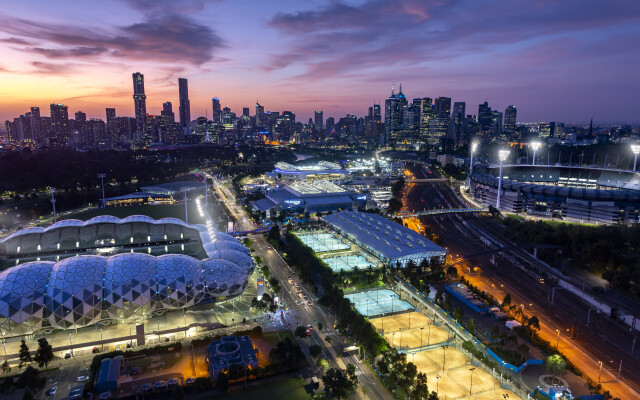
(554, 62)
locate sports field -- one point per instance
(323, 242)
(347, 263)
(456, 383)
(421, 333)
(378, 302)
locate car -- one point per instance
(190, 380)
(82, 378)
(135, 371)
(52, 391)
(173, 381)
(308, 332)
(308, 303)
(67, 355)
(147, 387)
(105, 396)
(160, 385)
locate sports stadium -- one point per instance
(107, 270)
(575, 193)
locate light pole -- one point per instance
(186, 214)
(421, 329)
(535, 146)
(600, 373)
(429, 334)
(444, 356)
(437, 384)
(471, 384)
(558, 340)
(102, 176)
(635, 148)
(474, 146)
(502, 155)
(53, 202)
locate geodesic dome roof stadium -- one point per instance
(83, 290)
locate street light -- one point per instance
(535, 146)
(437, 384)
(474, 146)
(53, 202)
(600, 373)
(502, 155)
(471, 384)
(558, 340)
(635, 148)
(444, 356)
(102, 176)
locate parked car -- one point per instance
(160, 385)
(147, 387)
(173, 381)
(52, 391)
(135, 371)
(82, 378)
(190, 380)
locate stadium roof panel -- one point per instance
(389, 239)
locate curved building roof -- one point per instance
(82, 290)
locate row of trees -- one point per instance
(403, 377)
(610, 250)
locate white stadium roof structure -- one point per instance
(389, 241)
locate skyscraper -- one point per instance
(216, 111)
(168, 131)
(443, 105)
(393, 115)
(484, 118)
(60, 124)
(185, 108)
(259, 115)
(426, 114)
(510, 121)
(459, 109)
(140, 103)
(36, 125)
(112, 125)
(319, 120)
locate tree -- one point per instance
(554, 364)
(319, 326)
(452, 272)
(471, 325)
(524, 350)
(301, 331)
(340, 383)
(24, 355)
(323, 364)
(30, 378)
(420, 390)
(222, 382)
(458, 314)
(5, 367)
(315, 350)
(44, 354)
(506, 300)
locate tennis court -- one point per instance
(421, 333)
(347, 263)
(323, 242)
(378, 302)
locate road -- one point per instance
(603, 340)
(300, 312)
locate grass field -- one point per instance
(291, 388)
(154, 211)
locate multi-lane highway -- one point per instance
(603, 340)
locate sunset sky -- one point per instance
(566, 60)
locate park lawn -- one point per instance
(286, 334)
(153, 211)
(290, 389)
(271, 338)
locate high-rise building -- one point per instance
(60, 124)
(216, 111)
(80, 116)
(168, 129)
(330, 125)
(510, 114)
(496, 124)
(484, 118)
(426, 114)
(443, 105)
(185, 107)
(459, 109)
(112, 125)
(319, 121)
(260, 122)
(393, 107)
(547, 130)
(140, 103)
(245, 111)
(36, 125)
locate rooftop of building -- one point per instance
(390, 239)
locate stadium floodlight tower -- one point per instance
(474, 147)
(502, 155)
(102, 176)
(635, 148)
(53, 202)
(535, 146)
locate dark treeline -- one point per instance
(610, 250)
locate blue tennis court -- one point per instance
(377, 302)
(348, 263)
(323, 242)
